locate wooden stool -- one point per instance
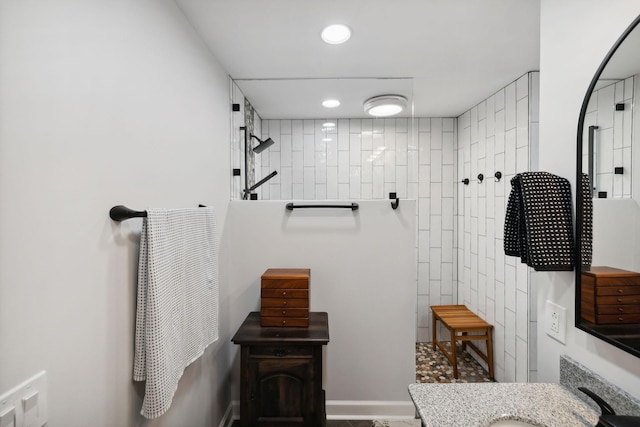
(459, 319)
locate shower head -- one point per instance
(263, 144)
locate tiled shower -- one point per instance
(459, 227)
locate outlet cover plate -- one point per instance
(556, 321)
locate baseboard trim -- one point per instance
(369, 409)
(346, 410)
(231, 414)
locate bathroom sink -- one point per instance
(511, 423)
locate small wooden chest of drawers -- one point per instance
(610, 295)
(284, 299)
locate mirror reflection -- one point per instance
(608, 287)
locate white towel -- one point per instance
(177, 307)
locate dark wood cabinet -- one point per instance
(281, 373)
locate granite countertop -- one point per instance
(481, 404)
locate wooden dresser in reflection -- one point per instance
(610, 296)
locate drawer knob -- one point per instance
(284, 303)
(620, 319)
(284, 312)
(621, 310)
(619, 299)
(284, 322)
(620, 291)
(279, 352)
(284, 293)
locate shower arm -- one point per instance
(259, 183)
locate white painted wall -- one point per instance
(575, 37)
(101, 103)
(362, 273)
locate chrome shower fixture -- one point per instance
(263, 144)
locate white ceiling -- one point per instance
(445, 55)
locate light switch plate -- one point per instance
(8, 417)
(30, 395)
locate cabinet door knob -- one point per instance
(253, 396)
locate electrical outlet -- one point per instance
(556, 321)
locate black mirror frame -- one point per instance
(580, 196)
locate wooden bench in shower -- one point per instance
(458, 319)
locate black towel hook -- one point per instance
(394, 205)
(465, 181)
(480, 178)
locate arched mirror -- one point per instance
(608, 199)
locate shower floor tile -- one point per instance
(433, 367)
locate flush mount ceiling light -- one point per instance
(385, 105)
(336, 34)
(330, 103)
(328, 125)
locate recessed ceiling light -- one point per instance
(330, 103)
(328, 125)
(336, 34)
(327, 139)
(385, 105)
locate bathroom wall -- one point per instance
(575, 37)
(102, 103)
(362, 274)
(498, 134)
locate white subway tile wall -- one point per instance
(460, 255)
(499, 134)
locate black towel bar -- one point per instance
(352, 206)
(120, 213)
